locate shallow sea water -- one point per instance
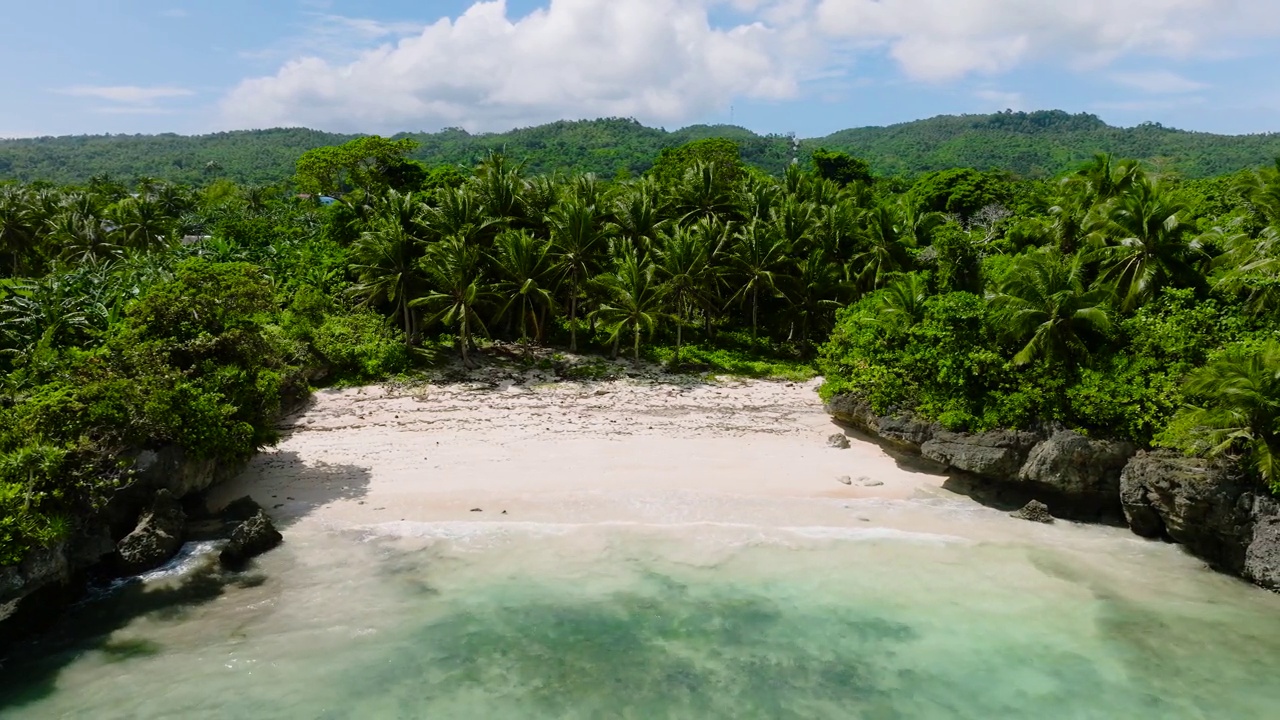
(468, 620)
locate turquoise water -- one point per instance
(680, 621)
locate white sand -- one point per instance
(751, 452)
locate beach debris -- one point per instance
(1035, 511)
(844, 480)
(477, 510)
(504, 512)
(839, 441)
(865, 481)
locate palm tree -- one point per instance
(634, 301)
(578, 235)
(498, 185)
(815, 291)
(901, 304)
(756, 262)
(458, 213)
(385, 262)
(17, 231)
(524, 265)
(458, 291)
(886, 250)
(684, 266)
(141, 224)
(1146, 243)
(1045, 308)
(703, 193)
(1240, 410)
(637, 213)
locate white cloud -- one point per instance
(1158, 82)
(664, 61)
(1002, 100)
(939, 40)
(127, 94)
(656, 60)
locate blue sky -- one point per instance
(804, 66)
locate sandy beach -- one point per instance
(633, 450)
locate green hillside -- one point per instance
(1034, 144)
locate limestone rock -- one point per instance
(1084, 472)
(838, 441)
(1035, 511)
(156, 538)
(1262, 557)
(844, 480)
(1205, 505)
(994, 455)
(240, 509)
(903, 430)
(250, 539)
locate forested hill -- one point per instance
(1031, 144)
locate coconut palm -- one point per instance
(756, 262)
(1146, 243)
(142, 224)
(684, 266)
(17, 225)
(637, 213)
(1250, 267)
(1240, 408)
(579, 233)
(885, 252)
(901, 304)
(633, 301)
(525, 271)
(703, 193)
(458, 213)
(1044, 306)
(458, 291)
(385, 262)
(814, 292)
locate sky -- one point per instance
(809, 67)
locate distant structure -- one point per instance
(795, 148)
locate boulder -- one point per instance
(1262, 557)
(1081, 472)
(1035, 511)
(240, 509)
(899, 429)
(993, 455)
(1204, 504)
(156, 538)
(838, 441)
(250, 539)
(170, 468)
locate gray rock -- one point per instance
(903, 430)
(838, 441)
(240, 509)
(1206, 505)
(1262, 557)
(1035, 511)
(1084, 472)
(250, 539)
(157, 537)
(844, 480)
(993, 455)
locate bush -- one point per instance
(360, 346)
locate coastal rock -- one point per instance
(844, 480)
(240, 509)
(903, 430)
(1083, 472)
(838, 441)
(993, 455)
(170, 468)
(1035, 511)
(250, 539)
(1203, 504)
(157, 537)
(1262, 557)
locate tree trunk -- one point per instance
(466, 340)
(573, 320)
(636, 349)
(408, 320)
(617, 343)
(679, 338)
(755, 308)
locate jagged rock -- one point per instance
(994, 455)
(156, 538)
(904, 430)
(1206, 505)
(250, 539)
(1083, 472)
(240, 509)
(1262, 557)
(1035, 511)
(844, 480)
(838, 441)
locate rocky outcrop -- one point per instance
(903, 430)
(1082, 475)
(250, 539)
(839, 441)
(157, 537)
(1262, 557)
(992, 455)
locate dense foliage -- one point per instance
(1118, 300)
(1038, 144)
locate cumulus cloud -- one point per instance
(657, 60)
(940, 40)
(666, 61)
